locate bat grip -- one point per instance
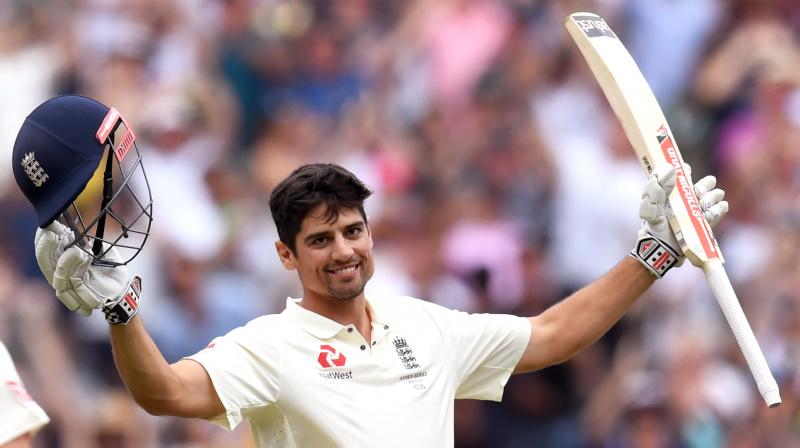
(726, 297)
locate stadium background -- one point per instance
(502, 183)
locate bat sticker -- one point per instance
(594, 26)
(647, 165)
(685, 188)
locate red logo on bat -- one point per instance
(19, 390)
(686, 190)
(329, 357)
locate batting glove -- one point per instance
(83, 287)
(49, 243)
(657, 247)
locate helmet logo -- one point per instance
(35, 172)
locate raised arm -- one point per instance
(23, 441)
(576, 322)
(573, 324)
(182, 389)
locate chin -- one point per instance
(347, 294)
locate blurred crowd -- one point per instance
(502, 183)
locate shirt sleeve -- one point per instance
(484, 349)
(19, 413)
(244, 373)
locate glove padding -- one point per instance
(657, 248)
(711, 200)
(83, 287)
(49, 243)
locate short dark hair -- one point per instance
(308, 187)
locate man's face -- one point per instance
(333, 260)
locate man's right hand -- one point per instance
(81, 286)
(49, 243)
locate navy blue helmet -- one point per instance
(76, 160)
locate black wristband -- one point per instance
(655, 255)
(123, 310)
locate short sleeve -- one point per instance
(20, 413)
(484, 349)
(244, 372)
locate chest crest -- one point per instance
(404, 353)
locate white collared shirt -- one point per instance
(19, 414)
(304, 380)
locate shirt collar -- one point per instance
(320, 326)
(377, 312)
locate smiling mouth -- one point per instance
(344, 270)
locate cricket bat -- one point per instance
(646, 128)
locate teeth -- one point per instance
(342, 271)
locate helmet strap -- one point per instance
(108, 193)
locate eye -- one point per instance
(354, 231)
(318, 241)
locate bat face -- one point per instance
(645, 126)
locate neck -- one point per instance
(346, 312)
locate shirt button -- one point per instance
(374, 342)
(350, 330)
(363, 347)
(385, 327)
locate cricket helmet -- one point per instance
(76, 161)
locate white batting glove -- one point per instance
(49, 243)
(83, 287)
(657, 247)
(711, 200)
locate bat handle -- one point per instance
(726, 297)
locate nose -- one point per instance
(342, 250)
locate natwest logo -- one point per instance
(330, 357)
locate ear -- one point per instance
(369, 236)
(286, 255)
